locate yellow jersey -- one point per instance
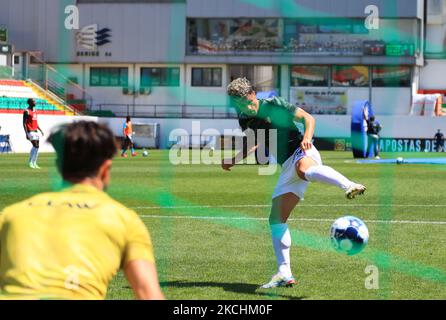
(68, 244)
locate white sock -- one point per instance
(282, 244)
(327, 175)
(36, 155)
(32, 155)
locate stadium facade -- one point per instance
(174, 59)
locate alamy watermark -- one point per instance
(372, 20)
(372, 279)
(72, 18)
(185, 151)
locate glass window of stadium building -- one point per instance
(332, 61)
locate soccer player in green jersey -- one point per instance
(300, 160)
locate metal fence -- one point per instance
(55, 82)
(167, 111)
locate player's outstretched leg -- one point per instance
(281, 238)
(309, 170)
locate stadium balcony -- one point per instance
(15, 93)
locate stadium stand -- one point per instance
(15, 93)
(15, 88)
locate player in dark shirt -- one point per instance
(373, 129)
(294, 151)
(439, 139)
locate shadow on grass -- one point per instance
(245, 288)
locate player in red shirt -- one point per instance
(31, 126)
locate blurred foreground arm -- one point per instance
(143, 279)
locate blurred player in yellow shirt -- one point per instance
(70, 244)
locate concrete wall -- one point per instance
(168, 125)
(139, 32)
(391, 101)
(12, 124)
(432, 76)
(326, 127)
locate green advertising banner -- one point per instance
(400, 50)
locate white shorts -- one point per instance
(33, 135)
(289, 181)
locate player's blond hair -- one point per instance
(240, 87)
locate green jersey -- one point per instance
(276, 113)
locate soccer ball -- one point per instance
(399, 160)
(145, 153)
(349, 235)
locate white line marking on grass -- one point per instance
(202, 217)
(302, 205)
(207, 206)
(291, 219)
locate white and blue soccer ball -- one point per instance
(349, 235)
(145, 153)
(399, 160)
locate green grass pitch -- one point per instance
(211, 235)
